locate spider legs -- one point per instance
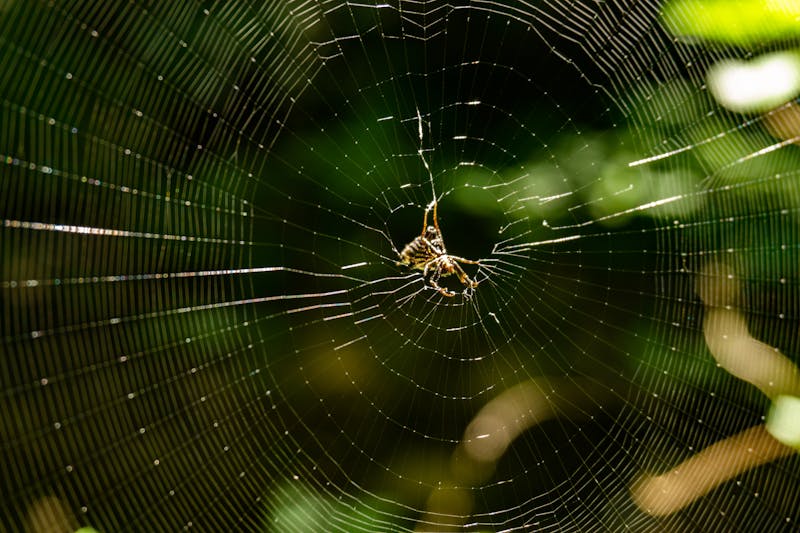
(435, 269)
(462, 276)
(433, 279)
(462, 260)
(444, 291)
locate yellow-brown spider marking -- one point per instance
(428, 254)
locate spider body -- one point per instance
(427, 251)
(428, 254)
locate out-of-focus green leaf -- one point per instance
(757, 85)
(301, 508)
(783, 421)
(738, 22)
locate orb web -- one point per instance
(205, 323)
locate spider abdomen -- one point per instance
(417, 253)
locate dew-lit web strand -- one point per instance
(93, 230)
(256, 454)
(126, 234)
(119, 188)
(121, 399)
(122, 358)
(420, 133)
(225, 123)
(223, 304)
(121, 105)
(722, 135)
(123, 189)
(434, 201)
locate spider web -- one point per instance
(205, 326)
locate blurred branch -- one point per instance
(493, 429)
(750, 360)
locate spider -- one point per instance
(427, 253)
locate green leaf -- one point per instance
(737, 22)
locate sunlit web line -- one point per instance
(567, 238)
(277, 99)
(123, 189)
(166, 275)
(134, 191)
(425, 325)
(121, 233)
(188, 142)
(195, 274)
(98, 409)
(117, 187)
(758, 153)
(719, 136)
(319, 94)
(112, 321)
(107, 143)
(111, 232)
(540, 199)
(239, 408)
(121, 358)
(337, 40)
(516, 270)
(515, 250)
(385, 358)
(575, 28)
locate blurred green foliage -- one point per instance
(740, 22)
